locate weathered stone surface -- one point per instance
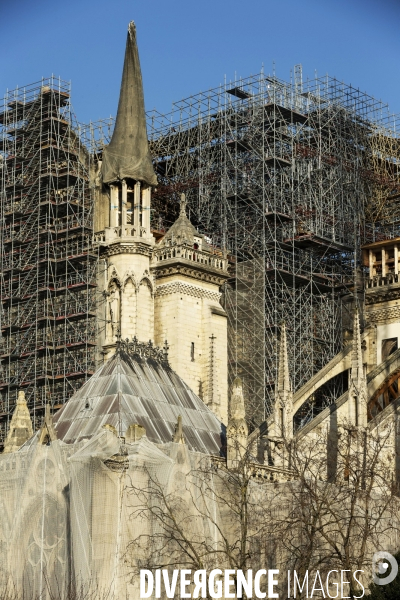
(20, 427)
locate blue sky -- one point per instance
(188, 46)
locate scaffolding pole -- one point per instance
(48, 265)
(285, 177)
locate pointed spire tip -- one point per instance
(183, 205)
(127, 156)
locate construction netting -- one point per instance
(85, 518)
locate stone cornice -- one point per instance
(383, 315)
(381, 295)
(381, 291)
(177, 287)
(127, 248)
(189, 269)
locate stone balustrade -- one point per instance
(188, 253)
(109, 234)
(262, 473)
(378, 280)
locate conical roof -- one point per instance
(127, 156)
(283, 380)
(132, 389)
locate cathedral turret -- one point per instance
(188, 313)
(123, 209)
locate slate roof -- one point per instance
(132, 389)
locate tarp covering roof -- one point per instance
(127, 156)
(131, 389)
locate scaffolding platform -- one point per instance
(287, 277)
(282, 115)
(276, 162)
(317, 242)
(238, 145)
(239, 93)
(278, 216)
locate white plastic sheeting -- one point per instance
(69, 517)
(34, 524)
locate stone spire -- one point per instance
(182, 211)
(283, 364)
(358, 395)
(47, 432)
(283, 408)
(237, 430)
(21, 429)
(127, 156)
(236, 405)
(357, 368)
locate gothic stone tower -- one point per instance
(165, 291)
(123, 214)
(188, 274)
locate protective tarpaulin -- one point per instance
(34, 528)
(127, 156)
(79, 520)
(80, 516)
(132, 389)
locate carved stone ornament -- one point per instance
(143, 349)
(131, 248)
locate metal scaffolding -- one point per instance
(48, 267)
(289, 179)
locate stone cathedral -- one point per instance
(158, 405)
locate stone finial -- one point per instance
(283, 384)
(21, 429)
(178, 437)
(236, 406)
(165, 350)
(134, 433)
(358, 393)
(47, 432)
(237, 430)
(21, 401)
(283, 407)
(183, 203)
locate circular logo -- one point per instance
(381, 561)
